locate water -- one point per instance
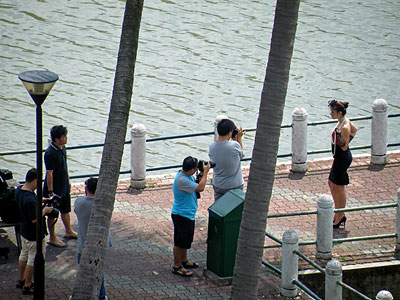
(196, 60)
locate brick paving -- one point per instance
(138, 266)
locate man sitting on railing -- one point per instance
(226, 154)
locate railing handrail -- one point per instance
(336, 210)
(323, 122)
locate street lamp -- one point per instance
(39, 84)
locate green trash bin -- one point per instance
(224, 220)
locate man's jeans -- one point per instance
(102, 295)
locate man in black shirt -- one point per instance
(57, 182)
(27, 206)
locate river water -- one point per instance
(196, 60)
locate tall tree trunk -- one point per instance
(262, 167)
(91, 267)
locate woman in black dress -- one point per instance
(342, 134)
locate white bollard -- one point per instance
(216, 121)
(384, 295)
(324, 227)
(299, 140)
(379, 132)
(333, 273)
(290, 263)
(138, 156)
(398, 222)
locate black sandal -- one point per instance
(28, 290)
(181, 272)
(190, 265)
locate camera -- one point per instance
(201, 170)
(234, 132)
(53, 202)
(200, 165)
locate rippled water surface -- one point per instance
(196, 60)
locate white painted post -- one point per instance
(379, 132)
(384, 295)
(216, 121)
(398, 223)
(324, 227)
(299, 140)
(138, 156)
(333, 273)
(290, 262)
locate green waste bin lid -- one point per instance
(227, 203)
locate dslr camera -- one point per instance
(200, 165)
(201, 170)
(53, 202)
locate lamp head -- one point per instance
(38, 84)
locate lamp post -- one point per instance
(39, 84)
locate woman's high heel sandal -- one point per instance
(343, 220)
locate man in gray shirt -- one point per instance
(82, 209)
(226, 154)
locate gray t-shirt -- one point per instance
(227, 171)
(82, 209)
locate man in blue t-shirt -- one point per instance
(184, 212)
(83, 209)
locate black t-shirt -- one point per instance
(55, 160)
(27, 205)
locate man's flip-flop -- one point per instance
(181, 272)
(73, 236)
(57, 243)
(190, 264)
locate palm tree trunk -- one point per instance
(262, 167)
(91, 267)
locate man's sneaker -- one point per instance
(20, 284)
(27, 290)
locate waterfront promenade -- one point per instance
(138, 266)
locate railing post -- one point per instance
(379, 132)
(324, 227)
(398, 223)
(290, 262)
(384, 295)
(138, 156)
(333, 291)
(299, 140)
(216, 121)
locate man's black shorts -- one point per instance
(183, 231)
(65, 204)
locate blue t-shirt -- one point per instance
(82, 209)
(185, 200)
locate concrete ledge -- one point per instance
(220, 281)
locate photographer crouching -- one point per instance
(27, 203)
(184, 211)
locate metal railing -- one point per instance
(324, 223)
(190, 135)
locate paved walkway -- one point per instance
(139, 263)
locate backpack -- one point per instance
(9, 211)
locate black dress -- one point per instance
(341, 162)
